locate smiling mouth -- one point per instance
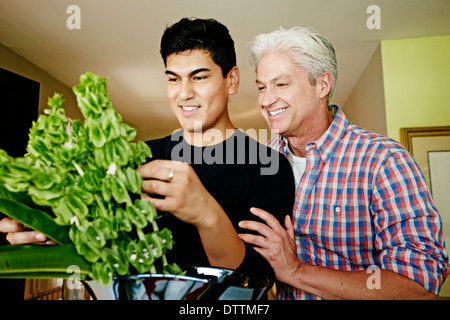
(277, 112)
(188, 108)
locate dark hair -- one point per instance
(204, 34)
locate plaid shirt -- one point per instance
(363, 202)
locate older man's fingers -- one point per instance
(255, 240)
(259, 227)
(289, 226)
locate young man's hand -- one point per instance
(17, 233)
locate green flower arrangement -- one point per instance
(77, 184)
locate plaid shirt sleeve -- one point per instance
(408, 228)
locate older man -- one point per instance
(364, 223)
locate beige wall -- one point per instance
(416, 82)
(405, 77)
(13, 62)
(366, 105)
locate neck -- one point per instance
(308, 134)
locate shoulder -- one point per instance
(385, 154)
(376, 141)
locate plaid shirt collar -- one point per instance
(327, 143)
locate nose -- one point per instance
(187, 90)
(267, 98)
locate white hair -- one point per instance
(309, 49)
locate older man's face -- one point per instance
(287, 99)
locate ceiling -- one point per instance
(119, 39)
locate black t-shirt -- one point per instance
(239, 173)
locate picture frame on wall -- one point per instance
(430, 147)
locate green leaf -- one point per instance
(166, 236)
(96, 135)
(76, 205)
(135, 215)
(41, 261)
(45, 196)
(56, 101)
(156, 244)
(102, 272)
(95, 237)
(34, 218)
(132, 179)
(45, 180)
(62, 212)
(146, 208)
(124, 223)
(173, 269)
(119, 191)
(20, 197)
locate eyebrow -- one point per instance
(192, 73)
(282, 76)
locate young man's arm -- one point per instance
(187, 199)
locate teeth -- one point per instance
(277, 112)
(189, 108)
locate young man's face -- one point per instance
(287, 99)
(197, 91)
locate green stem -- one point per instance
(155, 226)
(163, 257)
(103, 210)
(78, 168)
(164, 260)
(141, 234)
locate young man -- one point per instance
(365, 226)
(219, 180)
(208, 175)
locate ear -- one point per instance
(233, 80)
(324, 87)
